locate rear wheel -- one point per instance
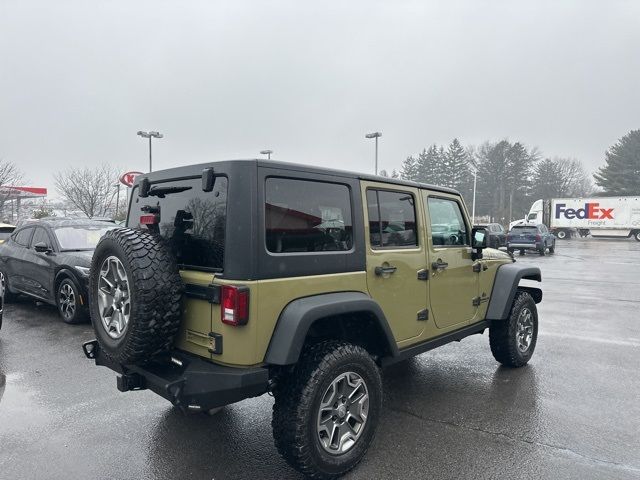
(542, 251)
(4, 284)
(561, 234)
(636, 235)
(69, 304)
(552, 248)
(513, 340)
(326, 411)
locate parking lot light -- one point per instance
(375, 135)
(150, 135)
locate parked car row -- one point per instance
(49, 260)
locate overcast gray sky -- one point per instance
(309, 79)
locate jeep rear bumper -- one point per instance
(186, 380)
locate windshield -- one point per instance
(80, 237)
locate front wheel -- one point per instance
(561, 234)
(326, 410)
(513, 340)
(69, 304)
(552, 248)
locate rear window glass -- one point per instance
(518, 229)
(193, 222)
(392, 219)
(306, 216)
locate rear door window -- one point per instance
(193, 222)
(23, 237)
(392, 219)
(307, 216)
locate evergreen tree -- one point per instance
(457, 165)
(621, 173)
(409, 169)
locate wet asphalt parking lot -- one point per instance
(452, 413)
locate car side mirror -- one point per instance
(41, 247)
(478, 241)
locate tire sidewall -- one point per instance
(108, 247)
(338, 464)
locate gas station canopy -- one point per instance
(18, 193)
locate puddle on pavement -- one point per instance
(19, 409)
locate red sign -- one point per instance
(128, 178)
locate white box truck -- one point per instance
(598, 216)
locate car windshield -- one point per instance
(524, 229)
(80, 237)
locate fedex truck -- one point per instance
(598, 216)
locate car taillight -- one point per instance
(151, 219)
(538, 238)
(234, 305)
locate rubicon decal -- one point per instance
(592, 211)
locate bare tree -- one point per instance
(90, 190)
(10, 176)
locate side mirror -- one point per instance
(478, 241)
(41, 247)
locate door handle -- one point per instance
(379, 271)
(439, 265)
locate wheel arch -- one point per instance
(352, 316)
(505, 286)
(63, 273)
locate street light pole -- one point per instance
(150, 135)
(267, 152)
(375, 135)
(473, 208)
(117, 185)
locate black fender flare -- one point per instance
(505, 286)
(297, 317)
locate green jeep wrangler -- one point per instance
(238, 278)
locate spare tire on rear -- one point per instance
(135, 294)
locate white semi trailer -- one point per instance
(598, 216)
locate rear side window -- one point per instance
(307, 216)
(193, 222)
(392, 219)
(23, 236)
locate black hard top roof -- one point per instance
(196, 169)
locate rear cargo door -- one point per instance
(193, 223)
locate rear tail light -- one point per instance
(538, 238)
(150, 219)
(234, 305)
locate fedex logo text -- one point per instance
(590, 211)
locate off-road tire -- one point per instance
(502, 334)
(297, 400)
(155, 295)
(80, 311)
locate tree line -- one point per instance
(510, 176)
